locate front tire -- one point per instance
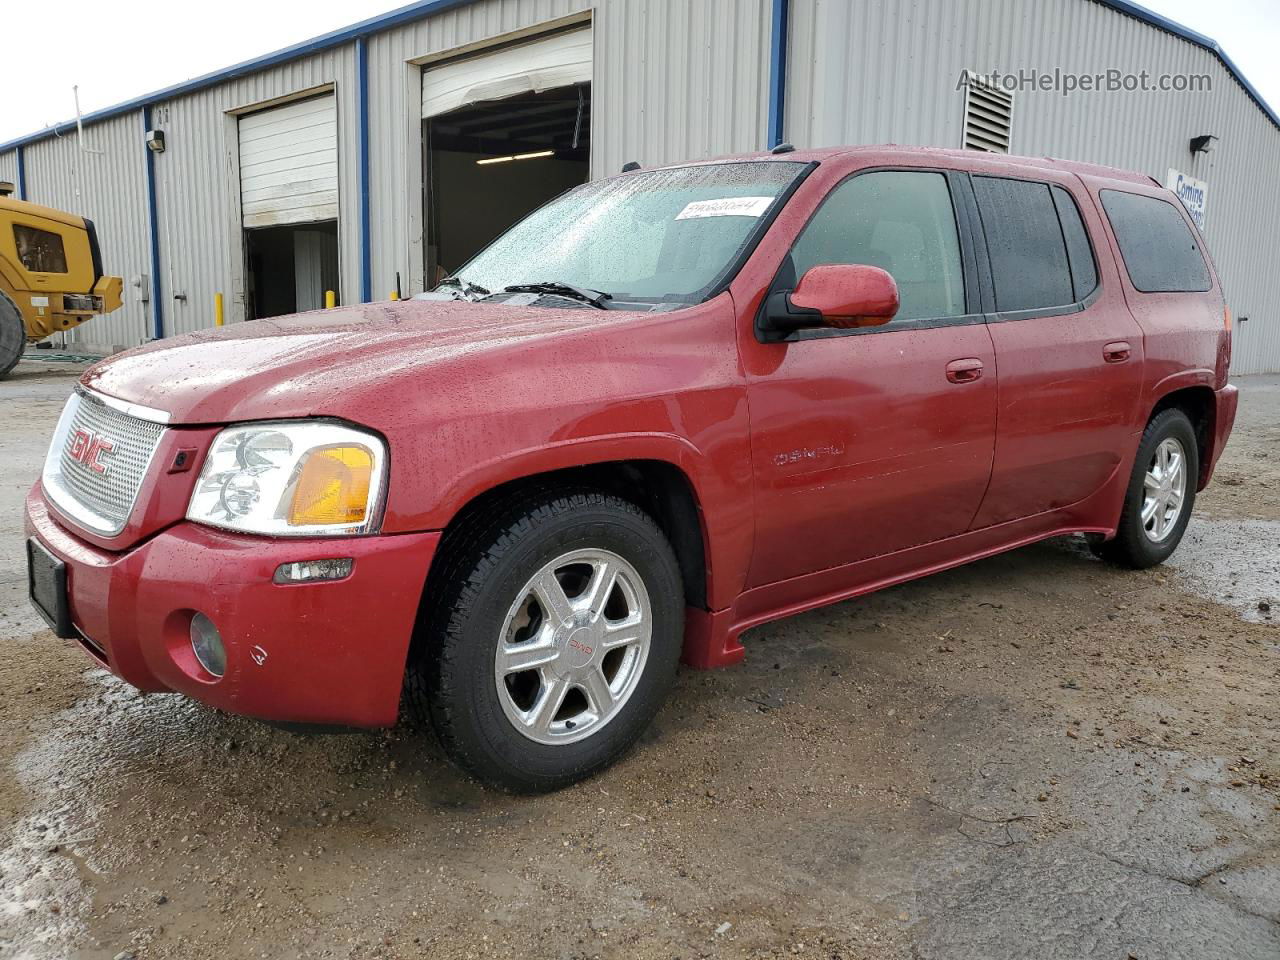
(554, 640)
(13, 336)
(1160, 496)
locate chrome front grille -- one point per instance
(99, 458)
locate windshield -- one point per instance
(661, 235)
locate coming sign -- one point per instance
(1192, 192)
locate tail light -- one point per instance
(1224, 348)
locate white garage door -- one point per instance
(289, 163)
(559, 60)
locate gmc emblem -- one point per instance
(89, 448)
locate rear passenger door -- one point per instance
(1068, 351)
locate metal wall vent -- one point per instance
(988, 116)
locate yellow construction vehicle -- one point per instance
(50, 275)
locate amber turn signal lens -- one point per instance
(333, 487)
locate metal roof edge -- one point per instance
(1150, 17)
(327, 41)
(1244, 82)
(425, 8)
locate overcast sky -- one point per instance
(122, 49)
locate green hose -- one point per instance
(50, 357)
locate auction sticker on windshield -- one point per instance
(726, 207)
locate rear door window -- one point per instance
(1160, 252)
(900, 221)
(1030, 269)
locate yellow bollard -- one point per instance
(218, 318)
(394, 296)
(330, 301)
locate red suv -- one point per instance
(664, 408)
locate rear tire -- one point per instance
(607, 572)
(1160, 496)
(13, 336)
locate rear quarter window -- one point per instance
(1160, 253)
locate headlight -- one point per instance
(298, 478)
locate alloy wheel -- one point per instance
(573, 646)
(1164, 490)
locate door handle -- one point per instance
(1117, 352)
(964, 371)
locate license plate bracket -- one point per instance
(47, 588)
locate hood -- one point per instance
(325, 362)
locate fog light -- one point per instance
(206, 643)
(304, 571)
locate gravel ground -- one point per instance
(1033, 756)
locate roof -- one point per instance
(1079, 167)
(425, 8)
(14, 205)
(894, 150)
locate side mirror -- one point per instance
(837, 295)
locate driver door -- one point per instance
(875, 439)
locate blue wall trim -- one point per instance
(362, 122)
(778, 71)
(22, 175)
(153, 222)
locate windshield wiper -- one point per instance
(468, 288)
(594, 297)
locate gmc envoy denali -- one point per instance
(664, 408)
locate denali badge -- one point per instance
(89, 448)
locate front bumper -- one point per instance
(329, 652)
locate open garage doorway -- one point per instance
(290, 268)
(289, 205)
(504, 132)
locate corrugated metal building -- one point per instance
(340, 162)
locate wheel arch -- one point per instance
(662, 488)
(1200, 404)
